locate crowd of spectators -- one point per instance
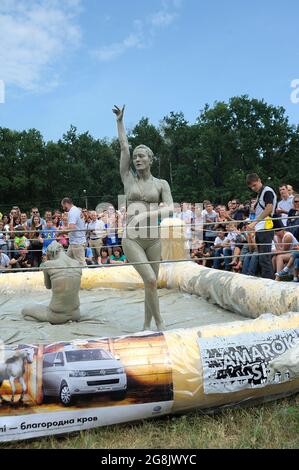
(229, 243)
(24, 238)
(217, 235)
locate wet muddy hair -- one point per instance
(53, 250)
(147, 149)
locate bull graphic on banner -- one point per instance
(13, 369)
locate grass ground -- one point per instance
(272, 425)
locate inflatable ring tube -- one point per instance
(151, 374)
(120, 277)
(241, 352)
(247, 295)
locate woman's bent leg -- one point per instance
(42, 313)
(36, 312)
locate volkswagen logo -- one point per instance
(157, 408)
(102, 372)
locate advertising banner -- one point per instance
(248, 361)
(75, 385)
(66, 386)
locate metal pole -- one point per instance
(86, 199)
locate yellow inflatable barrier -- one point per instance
(83, 383)
(52, 387)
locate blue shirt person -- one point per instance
(48, 235)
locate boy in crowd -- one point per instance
(230, 243)
(48, 235)
(219, 245)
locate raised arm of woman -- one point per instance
(123, 140)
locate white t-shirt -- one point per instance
(2, 238)
(97, 229)
(209, 215)
(285, 205)
(231, 238)
(208, 228)
(186, 216)
(219, 241)
(4, 260)
(294, 242)
(74, 217)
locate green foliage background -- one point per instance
(208, 159)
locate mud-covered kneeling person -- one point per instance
(63, 276)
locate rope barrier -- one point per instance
(140, 263)
(143, 227)
(236, 243)
(186, 239)
(194, 224)
(66, 231)
(46, 203)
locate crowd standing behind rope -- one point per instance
(220, 236)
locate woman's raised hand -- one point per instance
(119, 112)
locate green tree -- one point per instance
(243, 136)
(208, 159)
